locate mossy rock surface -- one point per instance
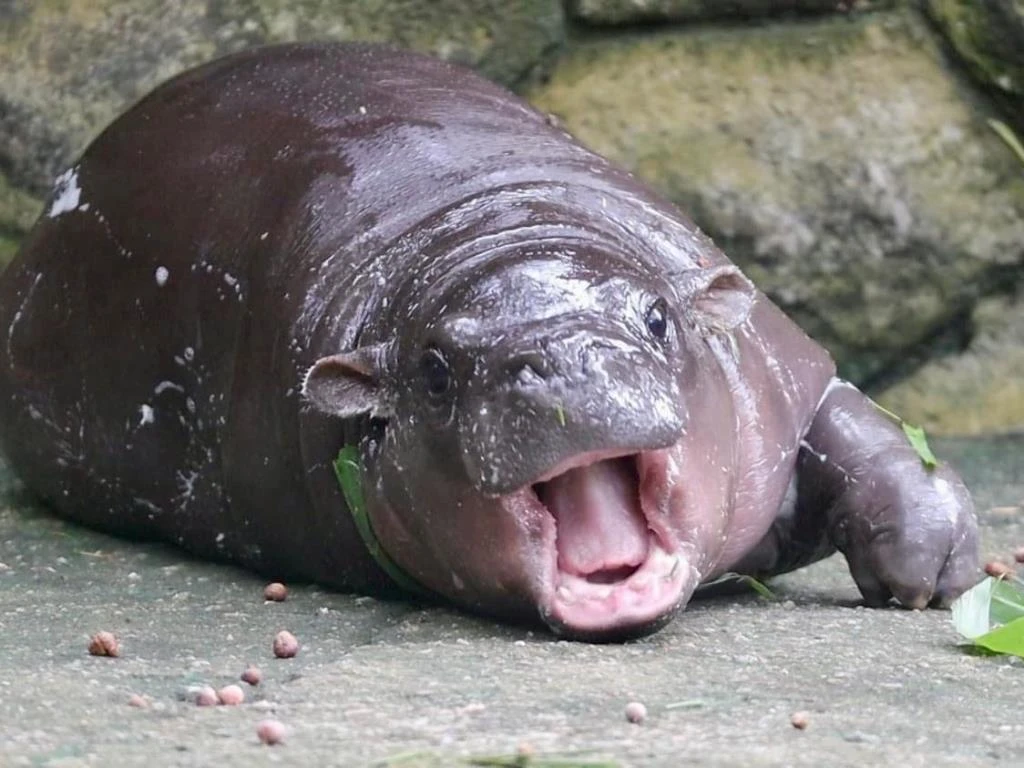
(978, 391)
(988, 36)
(840, 163)
(70, 66)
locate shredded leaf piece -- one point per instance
(1009, 639)
(560, 413)
(918, 440)
(1007, 135)
(349, 473)
(991, 615)
(916, 436)
(743, 578)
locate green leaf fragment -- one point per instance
(560, 413)
(1007, 601)
(991, 616)
(743, 578)
(919, 442)
(1009, 638)
(348, 471)
(916, 436)
(970, 611)
(1007, 135)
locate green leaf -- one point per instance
(560, 413)
(1007, 601)
(919, 442)
(1006, 134)
(971, 610)
(991, 615)
(743, 578)
(348, 471)
(1009, 638)
(915, 435)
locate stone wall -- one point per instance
(839, 151)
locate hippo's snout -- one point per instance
(552, 397)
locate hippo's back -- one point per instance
(160, 315)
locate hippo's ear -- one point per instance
(718, 299)
(348, 384)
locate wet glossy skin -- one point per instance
(569, 405)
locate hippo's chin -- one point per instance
(612, 568)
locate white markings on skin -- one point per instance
(68, 193)
(146, 415)
(949, 500)
(186, 482)
(161, 276)
(822, 457)
(163, 386)
(834, 383)
(149, 505)
(17, 318)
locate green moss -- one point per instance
(18, 211)
(505, 41)
(989, 38)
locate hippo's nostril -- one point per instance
(528, 366)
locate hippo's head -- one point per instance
(557, 434)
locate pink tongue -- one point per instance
(600, 525)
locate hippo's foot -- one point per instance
(907, 531)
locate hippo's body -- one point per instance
(567, 403)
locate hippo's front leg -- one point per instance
(907, 531)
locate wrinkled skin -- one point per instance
(569, 406)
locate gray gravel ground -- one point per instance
(396, 684)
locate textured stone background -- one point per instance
(839, 151)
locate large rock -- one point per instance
(71, 67)
(640, 11)
(988, 35)
(840, 163)
(980, 390)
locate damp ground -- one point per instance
(399, 684)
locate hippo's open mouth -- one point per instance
(614, 569)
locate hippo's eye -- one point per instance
(436, 374)
(657, 319)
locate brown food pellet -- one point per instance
(104, 644)
(285, 645)
(275, 592)
(997, 569)
(137, 701)
(206, 697)
(1018, 554)
(231, 695)
(252, 675)
(800, 720)
(636, 712)
(270, 731)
